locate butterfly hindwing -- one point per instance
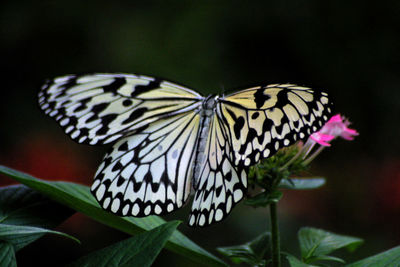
(101, 108)
(149, 172)
(261, 120)
(220, 185)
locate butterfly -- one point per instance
(168, 140)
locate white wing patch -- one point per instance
(149, 172)
(221, 185)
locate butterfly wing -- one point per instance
(261, 120)
(153, 124)
(220, 185)
(246, 127)
(149, 172)
(100, 108)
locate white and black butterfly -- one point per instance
(168, 139)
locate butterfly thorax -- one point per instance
(206, 112)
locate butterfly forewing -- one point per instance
(101, 108)
(261, 120)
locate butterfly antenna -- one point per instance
(222, 89)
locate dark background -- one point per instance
(348, 48)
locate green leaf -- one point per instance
(140, 250)
(315, 243)
(20, 205)
(295, 262)
(328, 258)
(26, 214)
(7, 255)
(20, 236)
(252, 252)
(79, 198)
(387, 258)
(264, 199)
(302, 183)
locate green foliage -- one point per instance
(7, 254)
(270, 171)
(139, 250)
(20, 205)
(388, 258)
(79, 198)
(316, 244)
(295, 262)
(20, 236)
(264, 199)
(302, 183)
(25, 216)
(274, 173)
(287, 161)
(251, 252)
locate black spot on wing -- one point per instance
(231, 113)
(137, 186)
(282, 99)
(72, 121)
(107, 161)
(115, 85)
(218, 191)
(105, 121)
(52, 105)
(127, 102)
(260, 98)
(99, 107)
(238, 126)
(267, 125)
(82, 105)
(92, 118)
(156, 186)
(123, 147)
(117, 166)
(228, 176)
(84, 132)
(120, 180)
(134, 115)
(279, 128)
(139, 89)
(96, 110)
(255, 115)
(239, 123)
(251, 135)
(70, 82)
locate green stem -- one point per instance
(275, 248)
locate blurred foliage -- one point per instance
(349, 48)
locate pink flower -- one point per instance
(321, 138)
(336, 126)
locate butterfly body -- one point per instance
(168, 139)
(206, 112)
